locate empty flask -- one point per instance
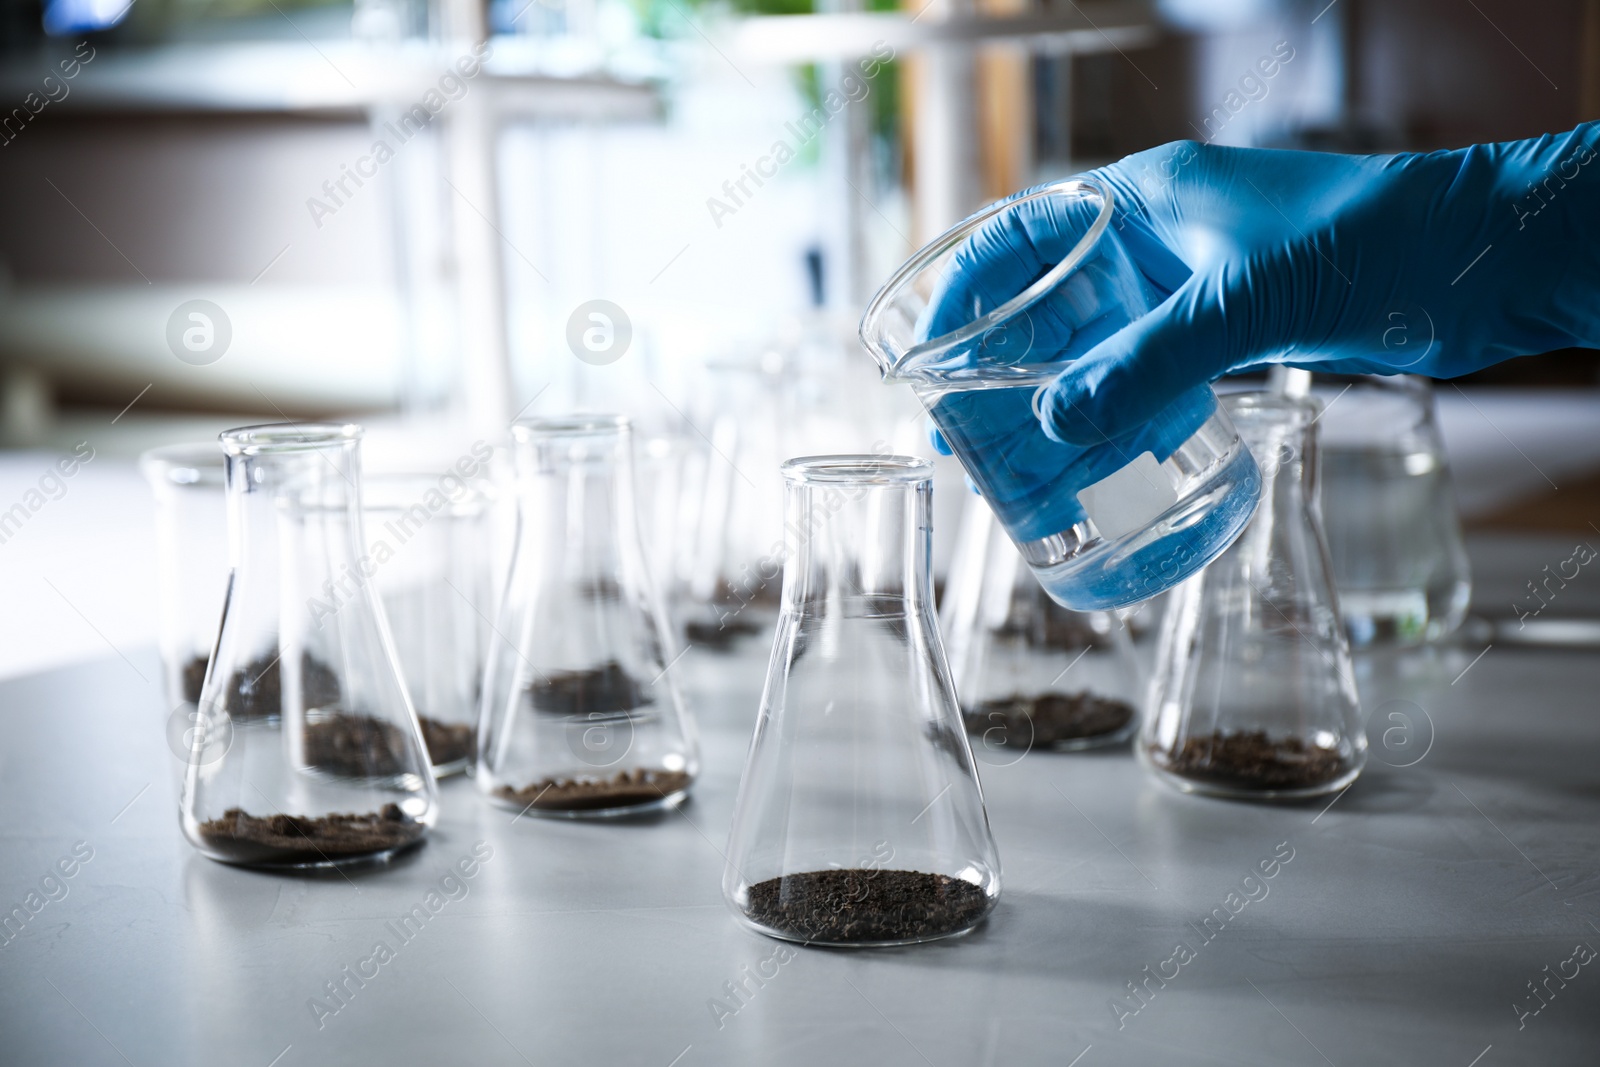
(581, 714)
(860, 820)
(308, 752)
(1254, 694)
(1030, 673)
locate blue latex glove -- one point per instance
(1437, 264)
(1031, 481)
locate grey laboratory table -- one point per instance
(1445, 910)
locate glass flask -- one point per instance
(1102, 527)
(437, 599)
(308, 753)
(859, 818)
(581, 714)
(667, 504)
(1254, 695)
(801, 397)
(1030, 673)
(191, 561)
(1394, 534)
(734, 575)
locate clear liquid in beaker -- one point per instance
(1206, 478)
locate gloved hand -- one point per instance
(1437, 264)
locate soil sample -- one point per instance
(355, 746)
(765, 594)
(1251, 760)
(448, 742)
(719, 636)
(625, 789)
(193, 677)
(599, 690)
(255, 692)
(296, 840)
(1047, 719)
(862, 905)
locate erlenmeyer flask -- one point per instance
(734, 577)
(310, 754)
(191, 560)
(1254, 695)
(860, 820)
(581, 715)
(1030, 673)
(436, 598)
(1393, 532)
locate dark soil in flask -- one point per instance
(255, 692)
(719, 636)
(1251, 760)
(1047, 718)
(298, 840)
(865, 906)
(193, 677)
(354, 746)
(600, 690)
(625, 789)
(448, 742)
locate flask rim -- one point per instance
(1297, 411)
(891, 362)
(572, 425)
(288, 437)
(857, 469)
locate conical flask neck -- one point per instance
(294, 516)
(1280, 432)
(858, 543)
(577, 512)
(1281, 559)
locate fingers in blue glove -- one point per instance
(1195, 335)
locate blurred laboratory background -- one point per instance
(433, 216)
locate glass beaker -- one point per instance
(1254, 695)
(859, 820)
(1394, 534)
(436, 598)
(1104, 526)
(1030, 673)
(308, 753)
(191, 560)
(581, 714)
